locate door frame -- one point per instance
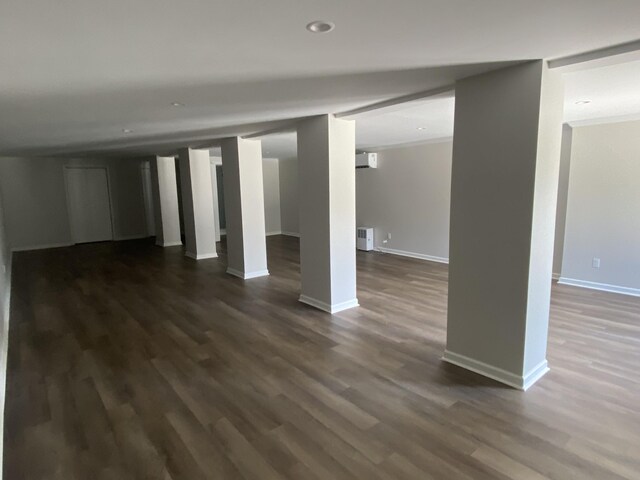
(65, 170)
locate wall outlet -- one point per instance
(388, 236)
(595, 263)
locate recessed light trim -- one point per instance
(177, 104)
(583, 102)
(127, 130)
(422, 128)
(320, 26)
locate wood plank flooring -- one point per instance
(129, 361)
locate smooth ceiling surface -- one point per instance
(76, 73)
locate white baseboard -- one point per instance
(555, 276)
(169, 244)
(247, 275)
(335, 308)
(290, 234)
(420, 256)
(131, 237)
(635, 292)
(274, 233)
(41, 247)
(200, 256)
(498, 374)
(4, 347)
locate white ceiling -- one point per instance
(75, 73)
(613, 93)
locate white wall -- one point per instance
(271, 182)
(563, 195)
(288, 168)
(35, 199)
(603, 210)
(408, 196)
(5, 291)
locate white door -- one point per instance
(89, 204)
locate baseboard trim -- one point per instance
(201, 256)
(290, 234)
(555, 276)
(420, 256)
(249, 275)
(269, 234)
(634, 292)
(335, 308)
(41, 247)
(169, 244)
(511, 379)
(131, 237)
(4, 348)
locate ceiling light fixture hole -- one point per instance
(320, 26)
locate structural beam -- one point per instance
(165, 198)
(506, 153)
(244, 207)
(326, 169)
(197, 204)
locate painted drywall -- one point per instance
(326, 149)
(271, 185)
(244, 197)
(197, 203)
(563, 194)
(36, 206)
(506, 155)
(408, 197)
(5, 300)
(289, 212)
(603, 210)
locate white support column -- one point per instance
(327, 185)
(244, 207)
(215, 161)
(197, 204)
(506, 153)
(165, 198)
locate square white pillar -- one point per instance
(506, 153)
(165, 198)
(197, 204)
(327, 185)
(244, 207)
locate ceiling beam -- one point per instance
(623, 52)
(397, 102)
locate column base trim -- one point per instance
(168, 244)
(335, 308)
(200, 256)
(249, 275)
(511, 379)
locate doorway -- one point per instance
(89, 204)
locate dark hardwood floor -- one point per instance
(129, 361)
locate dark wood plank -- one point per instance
(128, 361)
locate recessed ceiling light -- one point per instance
(126, 130)
(422, 128)
(583, 102)
(177, 104)
(320, 26)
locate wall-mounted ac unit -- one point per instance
(364, 240)
(367, 160)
